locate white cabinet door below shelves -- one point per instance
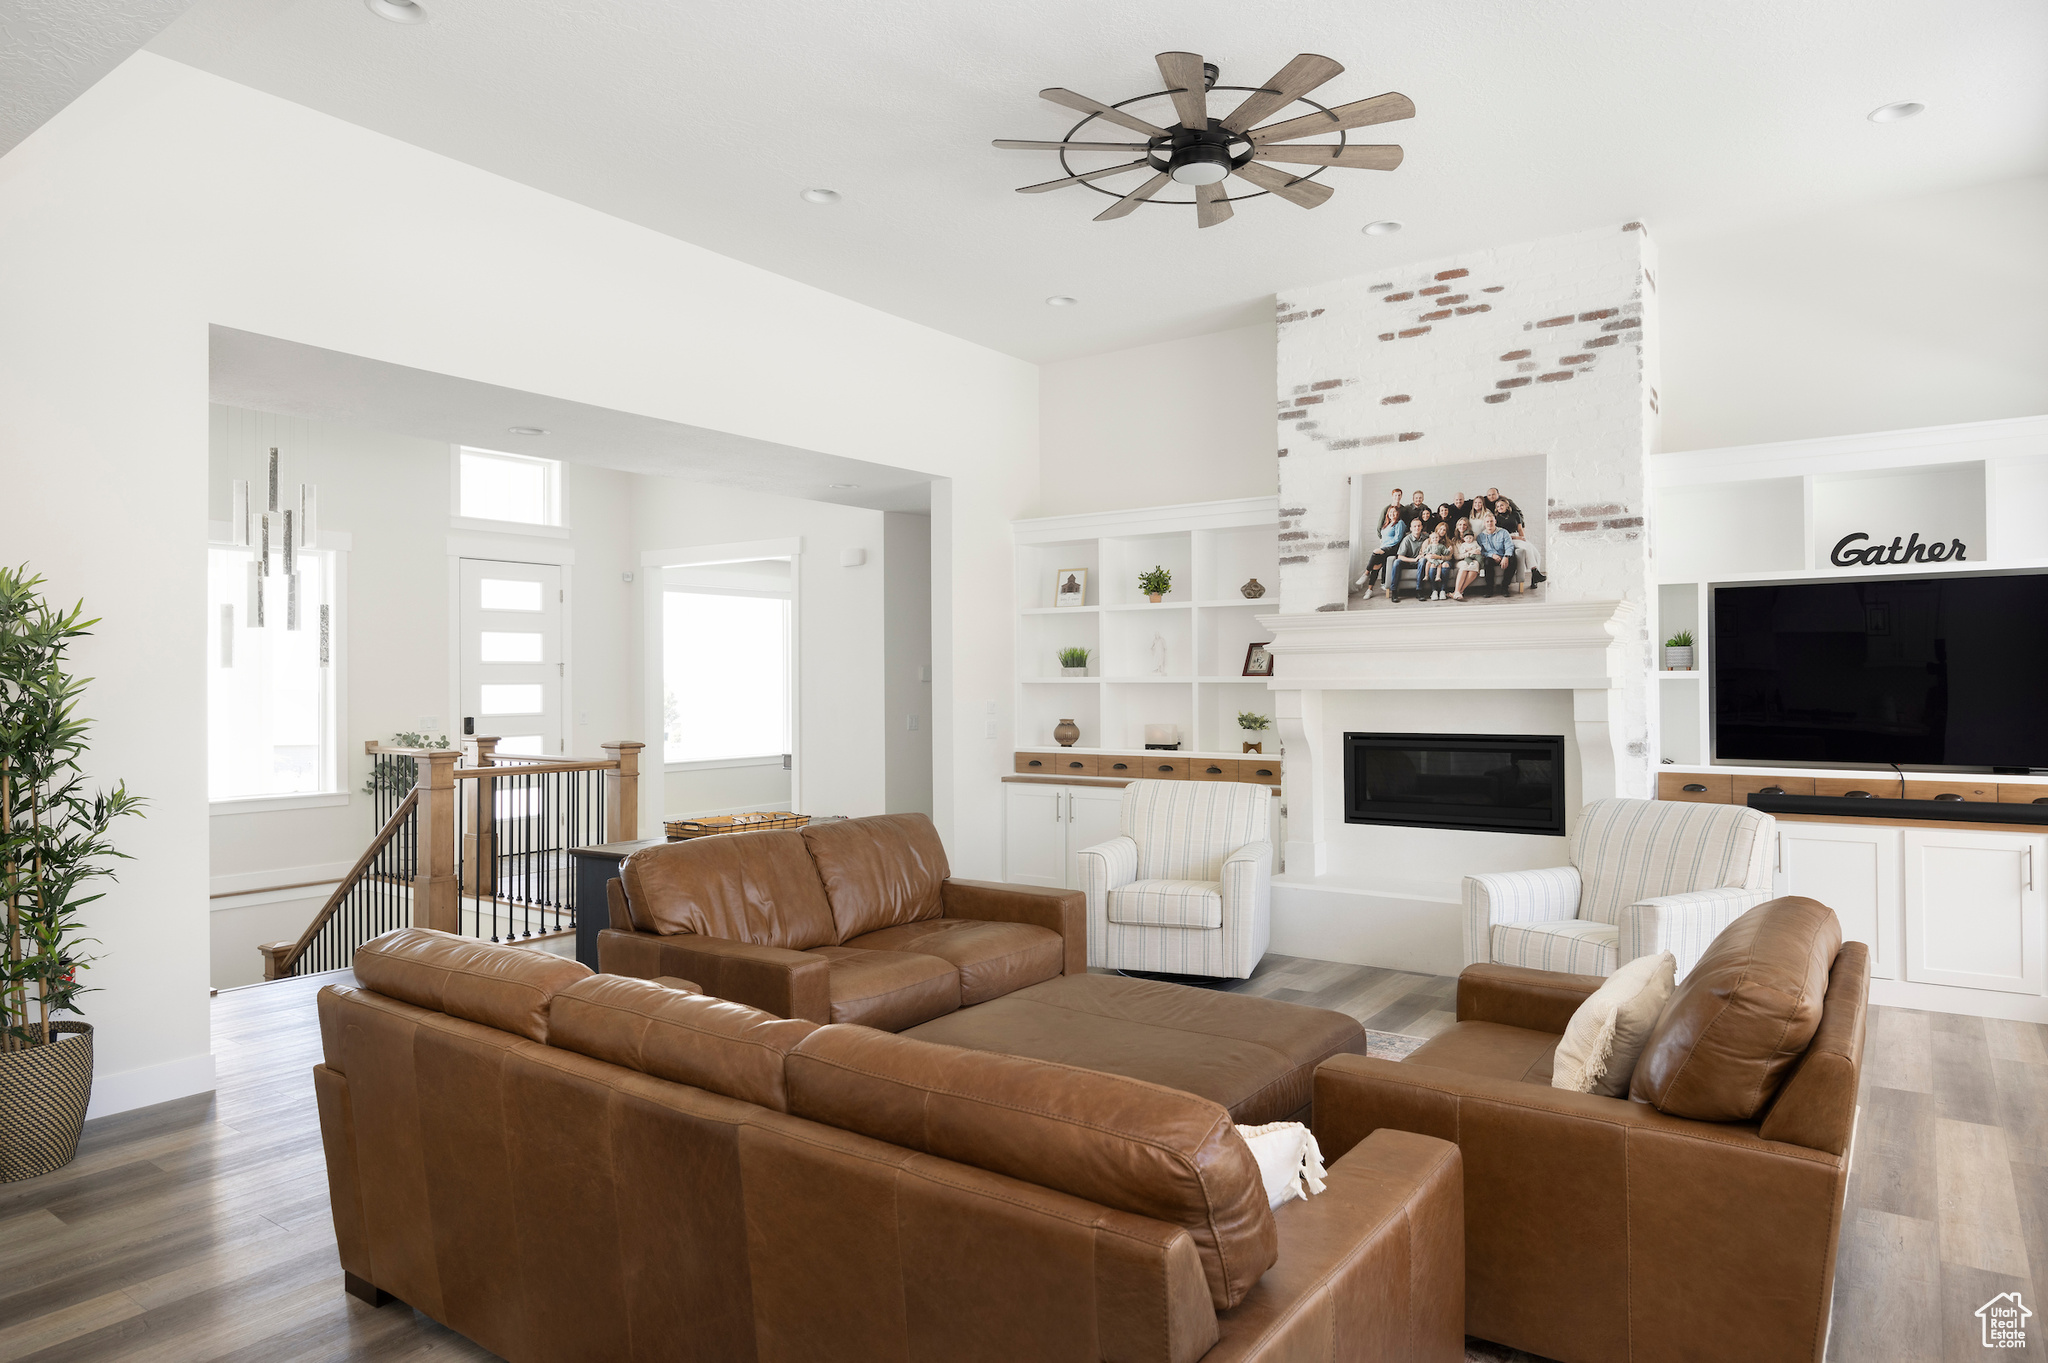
(1035, 850)
(1854, 870)
(1974, 909)
(1092, 813)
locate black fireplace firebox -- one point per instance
(1488, 783)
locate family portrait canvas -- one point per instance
(1448, 534)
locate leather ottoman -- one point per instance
(1257, 1057)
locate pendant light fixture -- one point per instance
(277, 533)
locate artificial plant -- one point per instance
(1253, 720)
(1158, 582)
(399, 775)
(1682, 639)
(1073, 657)
(53, 833)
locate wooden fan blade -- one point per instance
(1355, 156)
(1095, 106)
(1134, 198)
(1288, 84)
(1091, 175)
(1387, 108)
(1183, 72)
(1307, 193)
(1011, 144)
(1211, 205)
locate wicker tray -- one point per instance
(682, 830)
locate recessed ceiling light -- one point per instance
(842, 487)
(821, 196)
(527, 430)
(1385, 227)
(397, 11)
(1892, 113)
(1060, 300)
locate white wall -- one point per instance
(164, 200)
(842, 757)
(1181, 421)
(1907, 312)
(907, 656)
(391, 495)
(1916, 311)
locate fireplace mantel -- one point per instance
(1508, 645)
(1548, 645)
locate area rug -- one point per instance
(1391, 1045)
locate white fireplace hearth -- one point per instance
(1389, 896)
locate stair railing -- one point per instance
(478, 848)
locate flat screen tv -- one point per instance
(1918, 671)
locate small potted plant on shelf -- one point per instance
(1156, 583)
(53, 843)
(1678, 652)
(1073, 662)
(1251, 721)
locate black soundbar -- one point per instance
(1954, 811)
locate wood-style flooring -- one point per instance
(198, 1229)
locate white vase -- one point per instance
(1074, 671)
(1677, 659)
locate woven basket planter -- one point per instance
(43, 1093)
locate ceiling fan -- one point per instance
(1202, 152)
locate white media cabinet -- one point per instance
(1956, 915)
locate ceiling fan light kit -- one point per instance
(1203, 153)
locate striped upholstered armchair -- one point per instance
(1646, 876)
(1187, 888)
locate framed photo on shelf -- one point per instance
(1070, 587)
(1257, 661)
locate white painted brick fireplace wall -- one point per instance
(1544, 349)
(1538, 349)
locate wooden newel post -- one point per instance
(622, 791)
(436, 902)
(480, 827)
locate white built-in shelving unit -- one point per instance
(1774, 513)
(1205, 624)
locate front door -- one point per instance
(513, 663)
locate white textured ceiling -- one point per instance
(51, 51)
(704, 121)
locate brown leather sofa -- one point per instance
(568, 1166)
(1695, 1219)
(857, 920)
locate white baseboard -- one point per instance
(1948, 998)
(150, 1084)
(1363, 927)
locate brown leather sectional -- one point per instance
(858, 920)
(561, 1165)
(1696, 1218)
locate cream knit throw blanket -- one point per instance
(1290, 1161)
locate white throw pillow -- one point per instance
(1290, 1161)
(1607, 1034)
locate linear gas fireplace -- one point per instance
(1489, 783)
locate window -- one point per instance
(270, 696)
(493, 486)
(725, 669)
